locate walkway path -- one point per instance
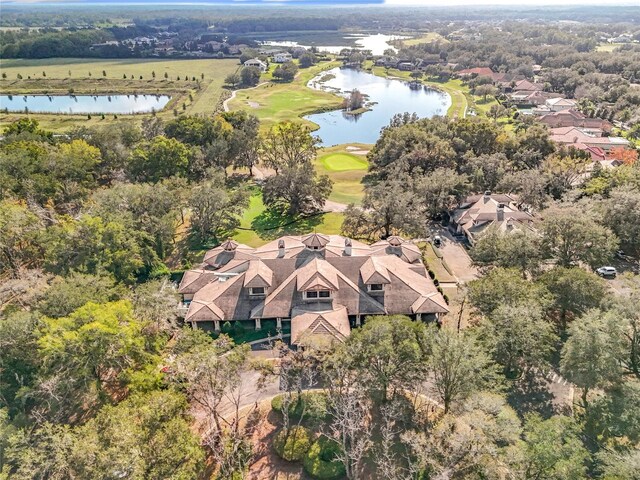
(457, 258)
(225, 104)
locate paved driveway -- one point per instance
(456, 256)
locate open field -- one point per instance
(425, 38)
(346, 169)
(265, 227)
(277, 102)
(63, 74)
(608, 47)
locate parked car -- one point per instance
(607, 272)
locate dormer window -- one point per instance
(256, 291)
(317, 294)
(375, 287)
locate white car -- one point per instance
(607, 271)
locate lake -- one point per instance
(120, 104)
(390, 97)
(377, 43)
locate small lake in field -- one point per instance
(120, 104)
(388, 98)
(377, 43)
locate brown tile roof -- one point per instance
(287, 275)
(258, 275)
(329, 325)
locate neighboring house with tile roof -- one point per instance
(478, 212)
(320, 286)
(574, 136)
(574, 118)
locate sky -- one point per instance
(435, 3)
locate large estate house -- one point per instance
(319, 286)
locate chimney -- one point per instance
(347, 247)
(487, 196)
(280, 248)
(500, 212)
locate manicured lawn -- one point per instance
(58, 80)
(277, 102)
(261, 226)
(346, 169)
(425, 38)
(340, 162)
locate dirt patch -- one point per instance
(253, 104)
(267, 465)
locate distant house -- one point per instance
(318, 286)
(282, 57)
(477, 71)
(527, 86)
(558, 104)
(574, 118)
(478, 212)
(405, 66)
(256, 62)
(579, 138)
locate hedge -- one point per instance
(295, 445)
(320, 461)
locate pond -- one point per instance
(377, 43)
(121, 104)
(388, 98)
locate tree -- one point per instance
(486, 171)
(553, 449)
(19, 237)
(502, 287)
(85, 352)
(496, 111)
(572, 236)
(388, 207)
(213, 374)
(519, 337)
(479, 440)
(354, 101)
(233, 79)
(591, 357)
(250, 76)
(519, 249)
(66, 294)
(155, 303)
(216, 211)
(388, 353)
(622, 216)
(459, 366)
(574, 291)
(441, 190)
(286, 71)
(161, 158)
(288, 144)
(613, 418)
(296, 191)
(91, 244)
(307, 59)
(485, 90)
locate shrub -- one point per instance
(238, 328)
(295, 445)
(432, 275)
(314, 405)
(226, 327)
(320, 461)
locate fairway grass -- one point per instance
(425, 38)
(58, 81)
(258, 226)
(340, 162)
(278, 102)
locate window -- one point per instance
(256, 291)
(375, 287)
(313, 294)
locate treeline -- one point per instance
(52, 44)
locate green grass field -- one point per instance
(65, 73)
(608, 47)
(346, 169)
(340, 162)
(262, 227)
(425, 38)
(277, 102)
